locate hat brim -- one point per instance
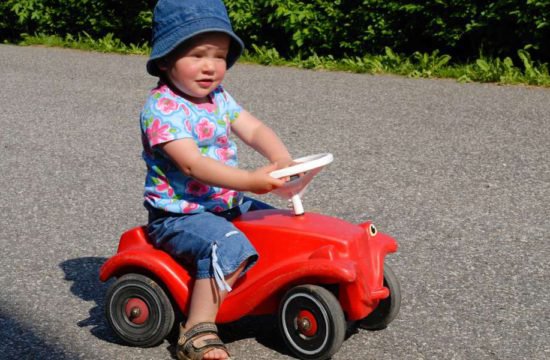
(171, 41)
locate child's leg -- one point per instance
(221, 253)
(206, 299)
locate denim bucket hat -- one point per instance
(175, 21)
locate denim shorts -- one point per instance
(207, 242)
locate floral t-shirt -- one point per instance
(167, 116)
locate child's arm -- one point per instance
(261, 138)
(186, 155)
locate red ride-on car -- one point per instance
(317, 273)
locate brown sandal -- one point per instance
(186, 350)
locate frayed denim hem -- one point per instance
(251, 257)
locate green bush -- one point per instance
(461, 28)
(9, 26)
(464, 29)
(130, 21)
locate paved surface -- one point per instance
(458, 173)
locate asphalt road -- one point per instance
(459, 174)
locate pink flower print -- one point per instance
(166, 105)
(152, 196)
(166, 89)
(218, 208)
(197, 188)
(225, 154)
(205, 129)
(162, 185)
(157, 133)
(187, 125)
(222, 141)
(227, 123)
(207, 106)
(185, 109)
(189, 207)
(228, 196)
(156, 93)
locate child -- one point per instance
(193, 186)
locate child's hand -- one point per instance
(284, 163)
(287, 162)
(261, 182)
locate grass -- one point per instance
(84, 41)
(418, 65)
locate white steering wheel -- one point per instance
(307, 167)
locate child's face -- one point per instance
(198, 68)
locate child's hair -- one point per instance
(175, 21)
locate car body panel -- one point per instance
(293, 250)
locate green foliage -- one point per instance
(429, 64)
(84, 41)
(488, 70)
(129, 20)
(506, 72)
(9, 27)
(344, 28)
(416, 38)
(266, 56)
(418, 65)
(426, 65)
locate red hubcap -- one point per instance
(136, 310)
(306, 323)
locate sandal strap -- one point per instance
(199, 329)
(206, 345)
(187, 348)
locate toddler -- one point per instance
(193, 186)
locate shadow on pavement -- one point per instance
(18, 341)
(261, 328)
(84, 273)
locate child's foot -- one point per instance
(201, 342)
(215, 353)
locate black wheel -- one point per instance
(388, 308)
(312, 322)
(138, 310)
